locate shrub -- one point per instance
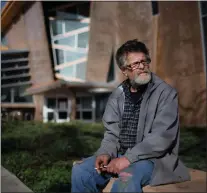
(41, 154)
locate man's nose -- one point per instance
(141, 66)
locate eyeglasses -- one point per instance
(136, 64)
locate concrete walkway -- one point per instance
(10, 183)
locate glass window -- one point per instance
(57, 112)
(23, 79)
(7, 80)
(81, 70)
(83, 40)
(71, 56)
(84, 108)
(77, 114)
(83, 10)
(73, 25)
(155, 9)
(204, 7)
(62, 103)
(18, 95)
(16, 72)
(5, 95)
(8, 65)
(51, 103)
(69, 14)
(87, 115)
(77, 100)
(68, 21)
(86, 102)
(68, 41)
(13, 64)
(56, 27)
(59, 56)
(68, 71)
(4, 40)
(50, 116)
(63, 115)
(22, 64)
(28, 116)
(101, 101)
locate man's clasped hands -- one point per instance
(104, 163)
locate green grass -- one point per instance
(41, 155)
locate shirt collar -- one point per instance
(127, 85)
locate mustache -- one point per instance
(145, 71)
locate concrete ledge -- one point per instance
(197, 184)
(10, 183)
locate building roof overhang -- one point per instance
(9, 12)
(90, 86)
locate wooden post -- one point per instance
(39, 103)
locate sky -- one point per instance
(3, 3)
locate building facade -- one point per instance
(58, 57)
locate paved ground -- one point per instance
(10, 183)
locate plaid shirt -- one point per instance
(130, 118)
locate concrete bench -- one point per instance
(197, 184)
(10, 183)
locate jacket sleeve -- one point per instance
(164, 131)
(110, 144)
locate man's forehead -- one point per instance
(135, 56)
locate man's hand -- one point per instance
(116, 165)
(102, 160)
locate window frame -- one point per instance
(76, 32)
(81, 110)
(13, 94)
(56, 109)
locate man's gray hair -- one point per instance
(128, 47)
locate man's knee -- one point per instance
(144, 166)
(80, 168)
(76, 171)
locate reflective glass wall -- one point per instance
(15, 77)
(69, 35)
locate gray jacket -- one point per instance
(157, 131)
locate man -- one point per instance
(141, 140)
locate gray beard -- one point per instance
(138, 81)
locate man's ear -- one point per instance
(124, 72)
